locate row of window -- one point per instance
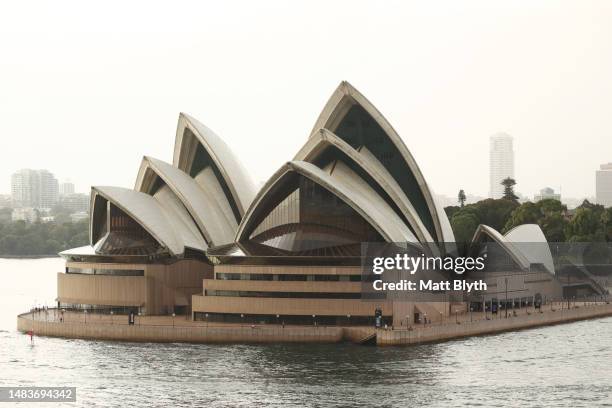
(288, 277)
(297, 295)
(113, 272)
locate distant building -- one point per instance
(27, 214)
(572, 203)
(501, 163)
(66, 188)
(547, 193)
(603, 185)
(6, 201)
(34, 188)
(75, 202)
(79, 216)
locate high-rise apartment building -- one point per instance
(66, 188)
(603, 185)
(34, 188)
(75, 202)
(501, 163)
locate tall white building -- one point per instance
(501, 163)
(66, 188)
(603, 185)
(34, 188)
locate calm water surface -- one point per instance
(568, 365)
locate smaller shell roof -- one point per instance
(530, 240)
(521, 243)
(147, 212)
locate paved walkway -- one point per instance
(55, 315)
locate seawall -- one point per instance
(163, 329)
(435, 333)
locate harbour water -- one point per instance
(564, 365)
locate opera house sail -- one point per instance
(148, 245)
(194, 237)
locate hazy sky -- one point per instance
(87, 89)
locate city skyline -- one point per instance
(120, 86)
(447, 198)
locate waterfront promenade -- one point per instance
(180, 329)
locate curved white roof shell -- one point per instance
(147, 212)
(530, 240)
(241, 188)
(354, 192)
(217, 226)
(323, 139)
(526, 244)
(517, 256)
(339, 104)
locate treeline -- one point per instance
(587, 223)
(18, 238)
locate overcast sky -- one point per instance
(86, 90)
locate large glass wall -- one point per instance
(126, 236)
(311, 218)
(359, 129)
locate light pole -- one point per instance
(111, 314)
(314, 322)
(471, 320)
(348, 319)
(139, 314)
(506, 304)
(173, 316)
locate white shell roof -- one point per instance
(235, 176)
(353, 192)
(373, 167)
(147, 212)
(338, 105)
(519, 243)
(530, 240)
(203, 207)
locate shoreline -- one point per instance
(165, 329)
(29, 256)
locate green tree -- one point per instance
(509, 184)
(527, 213)
(19, 238)
(495, 213)
(549, 214)
(606, 223)
(553, 226)
(464, 226)
(464, 221)
(585, 226)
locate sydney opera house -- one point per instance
(196, 238)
